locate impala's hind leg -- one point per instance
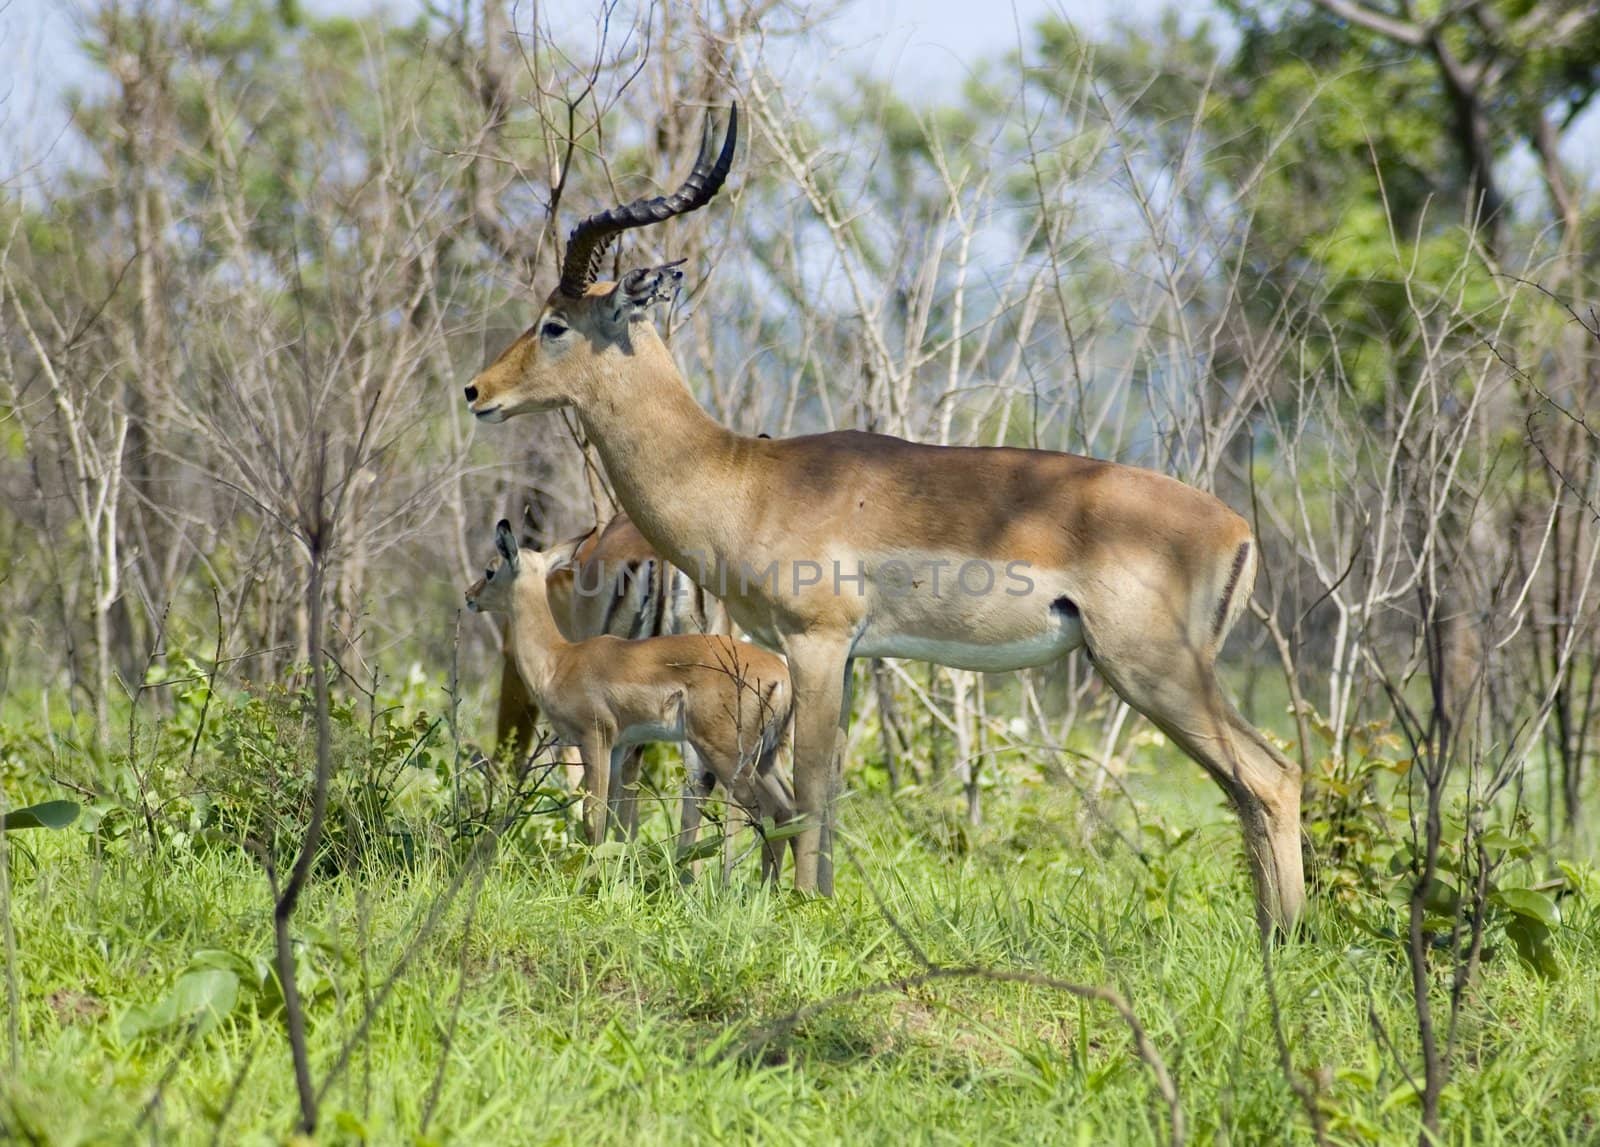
(1178, 691)
(774, 799)
(697, 783)
(749, 808)
(721, 765)
(625, 789)
(737, 817)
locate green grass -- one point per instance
(600, 1002)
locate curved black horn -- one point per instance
(587, 244)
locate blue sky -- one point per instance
(919, 44)
(904, 38)
(916, 43)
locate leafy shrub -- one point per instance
(231, 767)
(1357, 814)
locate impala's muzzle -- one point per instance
(483, 413)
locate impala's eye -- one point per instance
(488, 574)
(553, 329)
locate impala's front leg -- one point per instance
(596, 750)
(818, 668)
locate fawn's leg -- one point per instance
(596, 751)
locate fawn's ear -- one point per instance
(506, 542)
(560, 555)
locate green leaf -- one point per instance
(252, 972)
(1402, 1096)
(113, 824)
(777, 832)
(1497, 839)
(1581, 878)
(1441, 897)
(205, 995)
(1530, 905)
(1535, 945)
(144, 1018)
(702, 849)
(50, 814)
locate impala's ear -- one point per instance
(506, 542)
(642, 289)
(561, 554)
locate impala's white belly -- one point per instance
(992, 635)
(987, 657)
(1010, 617)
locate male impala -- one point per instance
(834, 546)
(615, 583)
(729, 700)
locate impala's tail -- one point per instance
(1235, 595)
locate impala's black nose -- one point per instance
(472, 394)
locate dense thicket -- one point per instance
(1336, 271)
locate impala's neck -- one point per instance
(538, 642)
(674, 468)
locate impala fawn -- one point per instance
(729, 701)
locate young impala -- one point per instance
(615, 583)
(848, 544)
(730, 701)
